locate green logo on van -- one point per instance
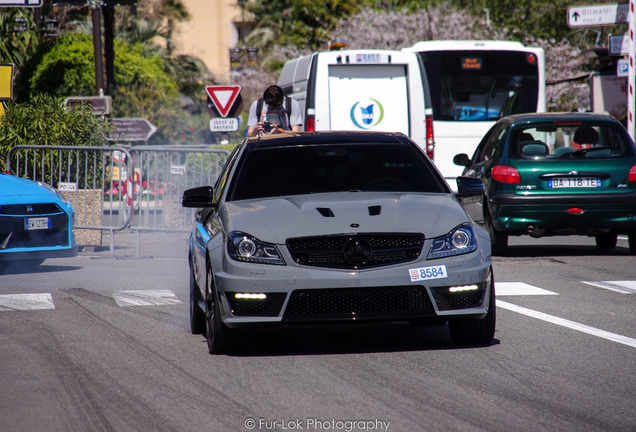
(367, 113)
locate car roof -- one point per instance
(325, 138)
(561, 116)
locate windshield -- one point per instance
(481, 85)
(570, 141)
(280, 171)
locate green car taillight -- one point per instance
(506, 174)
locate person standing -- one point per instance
(274, 113)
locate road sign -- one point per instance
(619, 45)
(6, 81)
(101, 105)
(131, 129)
(597, 15)
(224, 124)
(224, 97)
(622, 68)
(21, 3)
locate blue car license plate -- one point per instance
(574, 182)
(37, 223)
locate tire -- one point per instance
(606, 240)
(498, 239)
(631, 238)
(216, 333)
(197, 315)
(476, 331)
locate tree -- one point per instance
(44, 121)
(296, 22)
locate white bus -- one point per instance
(473, 83)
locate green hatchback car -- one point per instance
(556, 174)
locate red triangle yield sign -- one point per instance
(223, 97)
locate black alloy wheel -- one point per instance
(216, 332)
(197, 315)
(470, 331)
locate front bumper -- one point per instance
(271, 294)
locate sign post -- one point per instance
(101, 105)
(21, 3)
(131, 129)
(631, 100)
(226, 98)
(597, 15)
(610, 14)
(6, 81)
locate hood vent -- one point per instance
(326, 212)
(375, 210)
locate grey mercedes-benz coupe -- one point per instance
(336, 227)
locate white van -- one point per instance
(376, 90)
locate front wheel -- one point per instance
(197, 315)
(467, 331)
(216, 333)
(631, 238)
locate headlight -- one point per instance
(459, 241)
(246, 248)
(53, 190)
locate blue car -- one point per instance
(36, 223)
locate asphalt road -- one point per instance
(102, 343)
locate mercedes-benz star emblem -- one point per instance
(356, 251)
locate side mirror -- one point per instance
(199, 197)
(470, 186)
(461, 159)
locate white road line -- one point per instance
(519, 289)
(145, 298)
(569, 324)
(11, 302)
(623, 287)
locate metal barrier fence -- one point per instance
(115, 188)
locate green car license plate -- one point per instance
(38, 223)
(574, 182)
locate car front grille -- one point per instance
(14, 235)
(359, 303)
(355, 251)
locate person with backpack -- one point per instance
(274, 113)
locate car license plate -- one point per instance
(39, 223)
(428, 273)
(574, 182)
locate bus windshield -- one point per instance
(481, 85)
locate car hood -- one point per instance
(276, 219)
(17, 189)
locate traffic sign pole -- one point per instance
(631, 74)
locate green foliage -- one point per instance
(16, 44)
(299, 22)
(44, 121)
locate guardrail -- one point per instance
(114, 188)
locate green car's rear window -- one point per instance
(570, 141)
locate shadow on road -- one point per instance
(342, 339)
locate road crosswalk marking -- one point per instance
(11, 302)
(623, 287)
(519, 289)
(145, 298)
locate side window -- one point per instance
(222, 180)
(488, 146)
